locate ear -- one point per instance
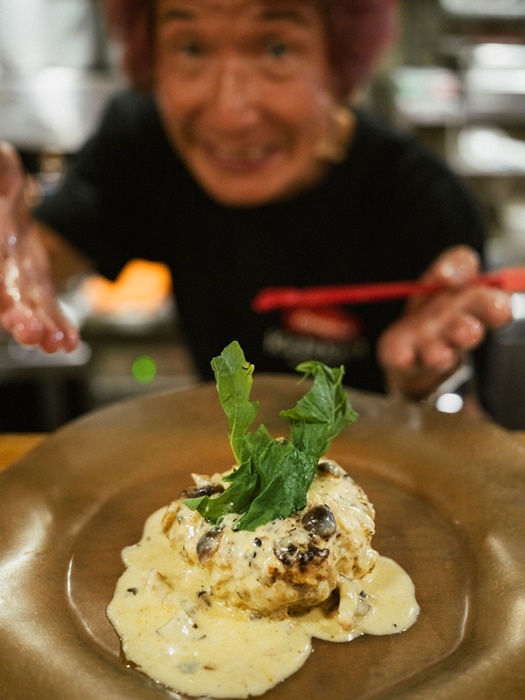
(339, 133)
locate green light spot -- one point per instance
(144, 369)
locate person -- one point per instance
(240, 157)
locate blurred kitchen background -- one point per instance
(456, 80)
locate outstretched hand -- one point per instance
(29, 309)
(430, 341)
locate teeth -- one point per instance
(255, 154)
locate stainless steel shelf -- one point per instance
(52, 109)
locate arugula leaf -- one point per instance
(323, 412)
(234, 383)
(286, 475)
(274, 475)
(235, 499)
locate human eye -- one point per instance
(184, 52)
(190, 48)
(276, 48)
(279, 57)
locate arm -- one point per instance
(30, 254)
(434, 335)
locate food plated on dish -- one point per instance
(448, 492)
(231, 581)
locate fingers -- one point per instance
(30, 331)
(445, 325)
(30, 327)
(56, 338)
(431, 340)
(455, 267)
(490, 307)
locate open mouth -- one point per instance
(241, 159)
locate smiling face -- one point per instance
(246, 94)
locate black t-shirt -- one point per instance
(382, 214)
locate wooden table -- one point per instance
(13, 446)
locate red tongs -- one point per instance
(510, 279)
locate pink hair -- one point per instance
(359, 31)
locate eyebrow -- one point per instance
(175, 13)
(267, 15)
(278, 15)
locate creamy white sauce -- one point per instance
(177, 632)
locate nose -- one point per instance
(233, 96)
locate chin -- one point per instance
(241, 196)
(256, 191)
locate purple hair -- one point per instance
(359, 31)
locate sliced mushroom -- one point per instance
(208, 545)
(202, 490)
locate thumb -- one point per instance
(455, 267)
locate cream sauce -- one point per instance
(198, 645)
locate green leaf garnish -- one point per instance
(274, 475)
(234, 383)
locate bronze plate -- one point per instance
(450, 498)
